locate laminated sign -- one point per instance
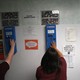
(31, 44)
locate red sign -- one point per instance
(31, 44)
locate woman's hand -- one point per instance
(12, 43)
(53, 45)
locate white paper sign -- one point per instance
(69, 49)
(30, 18)
(68, 52)
(70, 34)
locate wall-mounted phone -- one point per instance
(9, 33)
(50, 35)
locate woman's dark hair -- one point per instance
(50, 61)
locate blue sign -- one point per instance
(9, 33)
(50, 35)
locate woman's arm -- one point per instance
(63, 67)
(11, 52)
(53, 45)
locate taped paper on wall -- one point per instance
(68, 52)
(30, 18)
(69, 49)
(70, 34)
(30, 30)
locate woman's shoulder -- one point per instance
(39, 68)
(62, 59)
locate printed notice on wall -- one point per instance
(30, 18)
(70, 34)
(69, 49)
(50, 17)
(10, 18)
(31, 44)
(69, 53)
(30, 30)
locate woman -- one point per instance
(53, 65)
(5, 65)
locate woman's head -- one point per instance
(50, 61)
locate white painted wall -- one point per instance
(72, 73)
(24, 64)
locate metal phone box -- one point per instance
(9, 33)
(50, 35)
